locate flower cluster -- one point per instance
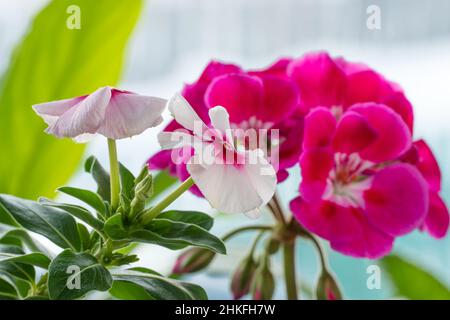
(364, 180)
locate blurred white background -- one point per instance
(175, 39)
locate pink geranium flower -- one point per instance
(338, 84)
(262, 99)
(113, 113)
(436, 222)
(355, 191)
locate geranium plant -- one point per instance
(233, 137)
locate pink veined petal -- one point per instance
(393, 136)
(185, 115)
(281, 99)
(321, 82)
(353, 133)
(320, 124)
(371, 243)
(129, 114)
(437, 220)
(85, 117)
(327, 219)
(397, 201)
(428, 166)
(315, 166)
(240, 94)
(51, 111)
(243, 188)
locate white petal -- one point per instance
(84, 117)
(129, 114)
(220, 119)
(185, 115)
(234, 189)
(175, 139)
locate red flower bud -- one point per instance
(263, 285)
(193, 260)
(243, 277)
(327, 288)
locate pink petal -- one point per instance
(437, 220)
(353, 133)
(371, 243)
(400, 104)
(51, 111)
(161, 161)
(327, 219)
(428, 165)
(315, 167)
(278, 69)
(130, 114)
(240, 94)
(393, 136)
(215, 69)
(320, 124)
(321, 82)
(85, 117)
(281, 99)
(291, 132)
(397, 201)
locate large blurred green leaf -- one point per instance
(412, 282)
(55, 62)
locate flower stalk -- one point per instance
(289, 270)
(114, 174)
(153, 212)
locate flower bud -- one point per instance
(243, 277)
(327, 288)
(193, 260)
(263, 285)
(142, 191)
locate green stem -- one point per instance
(289, 270)
(153, 212)
(114, 174)
(243, 229)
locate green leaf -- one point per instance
(25, 239)
(167, 233)
(100, 175)
(115, 229)
(162, 182)
(13, 269)
(131, 284)
(35, 258)
(126, 181)
(55, 224)
(177, 235)
(413, 282)
(87, 196)
(200, 219)
(76, 211)
(84, 236)
(69, 266)
(7, 291)
(56, 62)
